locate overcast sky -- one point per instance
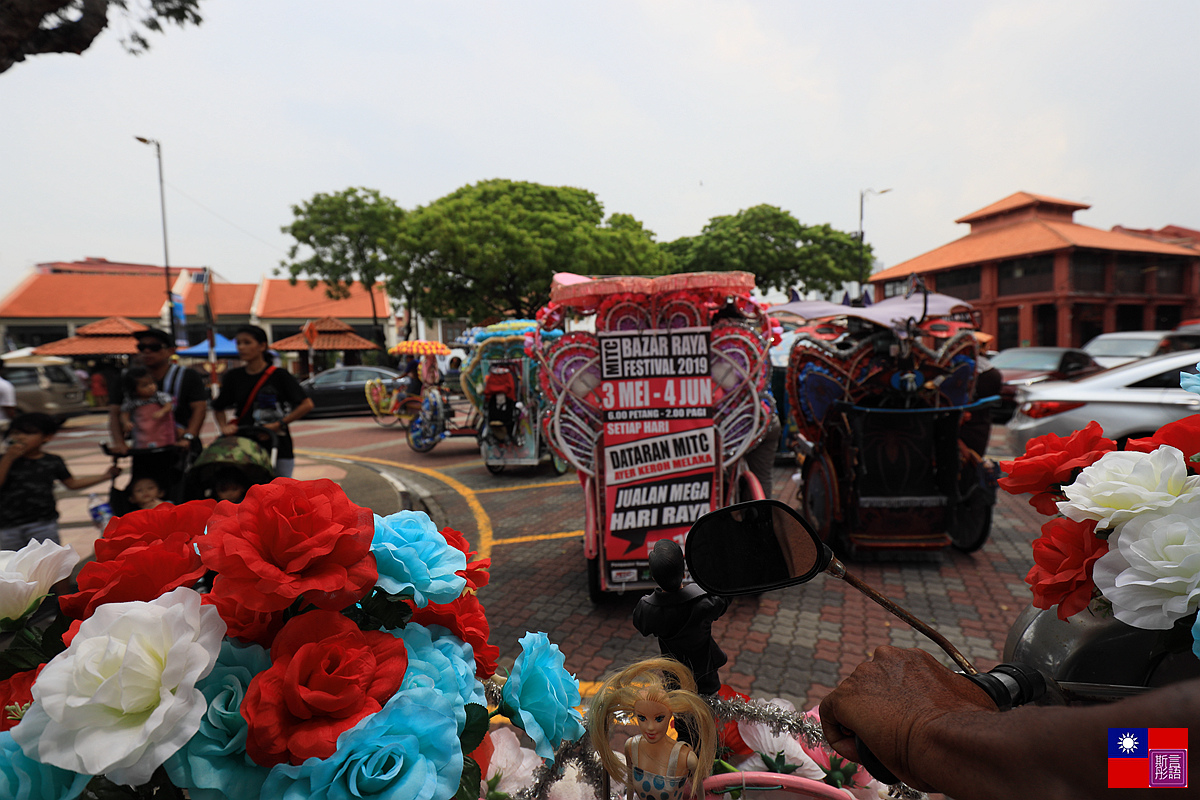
(674, 111)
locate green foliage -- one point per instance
(775, 247)
(468, 784)
(381, 610)
(475, 728)
(490, 249)
(778, 764)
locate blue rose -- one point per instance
(1189, 381)
(542, 695)
(441, 663)
(1196, 637)
(409, 750)
(413, 556)
(213, 765)
(22, 778)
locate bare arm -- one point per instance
(167, 408)
(116, 433)
(939, 732)
(196, 420)
(14, 451)
(84, 481)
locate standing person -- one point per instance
(8, 399)
(155, 350)
(28, 510)
(147, 412)
(261, 394)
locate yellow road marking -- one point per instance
(526, 486)
(482, 521)
(538, 537)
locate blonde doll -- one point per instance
(656, 765)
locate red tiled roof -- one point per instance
(278, 299)
(113, 326)
(74, 296)
(334, 340)
(331, 325)
(231, 299)
(89, 346)
(1020, 200)
(91, 264)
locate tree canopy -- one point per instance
(349, 236)
(490, 249)
(775, 247)
(34, 27)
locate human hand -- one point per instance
(113, 471)
(119, 448)
(15, 450)
(892, 703)
(182, 443)
(273, 426)
(229, 429)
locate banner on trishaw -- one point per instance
(660, 448)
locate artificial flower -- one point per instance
(16, 693)
(541, 695)
(414, 559)
(1190, 381)
(766, 743)
(288, 540)
(139, 572)
(214, 765)
(1063, 559)
(465, 618)
(476, 572)
(325, 676)
(24, 778)
(28, 574)
(511, 765)
(731, 744)
(1152, 577)
(1122, 485)
(246, 624)
(851, 778)
(123, 697)
(408, 751)
(1183, 434)
(1052, 460)
(145, 526)
(449, 668)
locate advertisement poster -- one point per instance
(660, 448)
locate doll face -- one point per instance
(653, 719)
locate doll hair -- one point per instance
(652, 679)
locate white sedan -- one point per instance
(1129, 401)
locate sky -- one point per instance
(674, 111)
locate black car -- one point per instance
(1022, 367)
(340, 391)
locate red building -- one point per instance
(1040, 278)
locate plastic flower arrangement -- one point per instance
(294, 645)
(1125, 531)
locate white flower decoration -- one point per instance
(1152, 576)
(759, 738)
(26, 576)
(122, 698)
(514, 764)
(1123, 484)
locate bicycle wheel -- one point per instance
(385, 415)
(422, 433)
(408, 410)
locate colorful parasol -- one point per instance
(419, 347)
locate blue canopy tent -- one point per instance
(225, 348)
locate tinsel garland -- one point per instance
(580, 752)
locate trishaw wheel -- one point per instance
(386, 420)
(495, 469)
(973, 522)
(561, 465)
(595, 594)
(820, 498)
(409, 408)
(420, 434)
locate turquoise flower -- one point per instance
(413, 557)
(441, 665)
(213, 765)
(22, 778)
(1196, 637)
(1190, 381)
(540, 696)
(409, 750)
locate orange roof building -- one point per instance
(1040, 278)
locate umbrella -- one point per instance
(420, 347)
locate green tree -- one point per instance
(769, 242)
(33, 27)
(490, 249)
(349, 236)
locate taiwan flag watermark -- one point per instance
(1147, 758)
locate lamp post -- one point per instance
(162, 199)
(862, 253)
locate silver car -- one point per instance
(1129, 401)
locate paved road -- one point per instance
(793, 643)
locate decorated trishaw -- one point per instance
(881, 409)
(654, 408)
(501, 381)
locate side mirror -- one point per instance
(754, 547)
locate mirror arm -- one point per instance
(838, 569)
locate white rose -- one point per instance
(1152, 576)
(1123, 484)
(122, 698)
(513, 763)
(759, 737)
(26, 576)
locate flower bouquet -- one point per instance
(1125, 529)
(291, 646)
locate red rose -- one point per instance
(1183, 434)
(466, 620)
(17, 690)
(730, 738)
(325, 676)
(139, 572)
(1051, 461)
(258, 627)
(476, 573)
(1063, 558)
(152, 525)
(289, 539)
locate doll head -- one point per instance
(652, 693)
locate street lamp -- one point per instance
(862, 253)
(162, 198)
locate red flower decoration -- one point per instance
(139, 572)
(243, 623)
(17, 690)
(1183, 434)
(1064, 556)
(465, 619)
(1051, 461)
(289, 539)
(153, 525)
(730, 738)
(325, 676)
(476, 573)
